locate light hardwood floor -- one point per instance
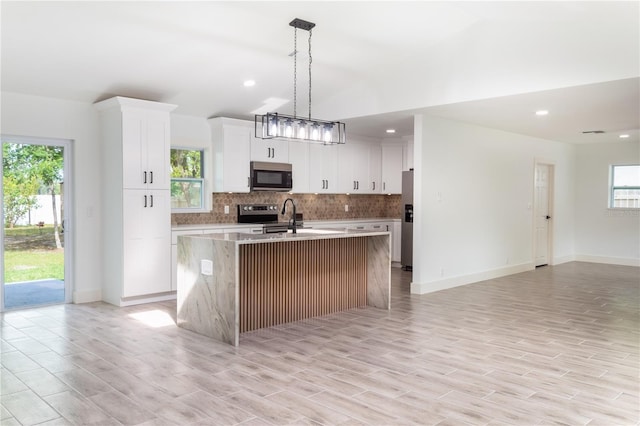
(558, 345)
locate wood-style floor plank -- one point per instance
(556, 345)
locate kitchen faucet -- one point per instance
(284, 206)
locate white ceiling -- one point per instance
(375, 64)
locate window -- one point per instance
(625, 187)
(187, 179)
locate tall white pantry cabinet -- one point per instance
(137, 201)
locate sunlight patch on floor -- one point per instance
(155, 318)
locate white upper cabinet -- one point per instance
(299, 159)
(231, 140)
(375, 169)
(323, 168)
(353, 169)
(392, 156)
(271, 150)
(145, 149)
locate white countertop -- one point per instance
(257, 225)
(302, 234)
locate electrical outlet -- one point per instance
(226, 209)
(206, 267)
(346, 207)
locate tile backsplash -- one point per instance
(313, 206)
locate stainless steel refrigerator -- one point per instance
(406, 250)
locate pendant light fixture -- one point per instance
(292, 127)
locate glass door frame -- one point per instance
(67, 208)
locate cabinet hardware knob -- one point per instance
(144, 180)
(145, 201)
(151, 201)
(151, 180)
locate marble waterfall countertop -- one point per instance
(230, 283)
(301, 234)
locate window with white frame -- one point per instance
(625, 187)
(187, 179)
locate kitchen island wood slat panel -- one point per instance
(301, 280)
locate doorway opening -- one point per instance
(543, 214)
(35, 237)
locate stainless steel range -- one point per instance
(265, 214)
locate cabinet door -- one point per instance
(145, 149)
(299, 158)
(236, 158)
(271, 150)
(323, 168)
(158, 145)
(392, 169)
(134, 150)
(375, 170)
(353, 162)
(146, 242)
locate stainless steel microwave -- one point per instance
(267, 176)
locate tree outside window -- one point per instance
(187, 179)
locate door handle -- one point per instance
(374, 185)
(151, 180)
(145, 201)
(144, 179)
(151, 201)
(547, 217)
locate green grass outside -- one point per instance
(39, 261)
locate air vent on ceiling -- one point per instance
(596, 132)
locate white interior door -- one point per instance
(543, 184)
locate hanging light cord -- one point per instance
(295, 70)
(310, 60)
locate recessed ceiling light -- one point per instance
(391, 130)
(624, 136)
(249, 83)
(542, 112)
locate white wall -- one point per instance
(603, 234)
(473, 204)
(34, 116)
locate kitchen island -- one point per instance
(233, 283)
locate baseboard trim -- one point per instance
(130, 301)
(623, 261)
(563, 259)
(87, 296)
(446, 283)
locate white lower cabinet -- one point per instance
(393, 227)
(146, 237)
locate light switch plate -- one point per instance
(206, 267)
(226, 209)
